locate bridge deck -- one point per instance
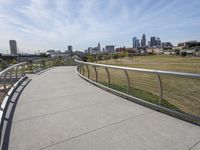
(59, 110)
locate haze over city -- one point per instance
(54, 24)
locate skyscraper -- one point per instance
(143, 41)
(136, 42)
(90, 50)
(152, 41)
(70, 50)
(99, 47)
(158, 42)
(110, 48)
(13, 47)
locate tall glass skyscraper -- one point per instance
(143, 41)
(136, 42)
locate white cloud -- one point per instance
(44, 24)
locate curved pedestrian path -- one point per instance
(58, 110)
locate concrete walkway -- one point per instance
(60, 111)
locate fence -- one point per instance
(175, 93)
(9, 77)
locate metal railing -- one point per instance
(40, 64)
(152, 88)
(10, 76)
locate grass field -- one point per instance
(159, 62)
(182, 94)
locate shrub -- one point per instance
(183, 54)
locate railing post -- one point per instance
(95, 69)
(80, 68)
(128, 81)
(83, 70)
(88, 71)
(40, 65)
(160, 88)
(4, 81)
(31, 66)
(11, 81)
(108, 74)
(24, 69)
(16, 71)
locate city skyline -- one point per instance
(42, 25)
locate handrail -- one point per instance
(9, 81)
(193, 75)
(160, 89)
(11, 67)
(10, 77)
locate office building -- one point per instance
(136, 42)
(90, 50)
(152, 41)
(99, 47)
(13, 47)
(158, 42)
(95, 50)
(70, 49)
(143, 41)
(110, 48)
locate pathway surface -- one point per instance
(58, 110)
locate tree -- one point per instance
(115, 56)
(3, 64)
(177, 51)
(90, 58)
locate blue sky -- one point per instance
(54, 24)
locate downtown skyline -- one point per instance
(54, 24)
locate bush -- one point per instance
(3, 64)
(90, 58)
(115, 56)
(183, 54)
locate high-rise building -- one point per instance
(90, 50)
(99, 47)
(95, 50)
(70, 48)
(152, 41)
(13, 47)
(136, 42)
(148, 43)
(158, 42)
(110, 48)
(143, 41)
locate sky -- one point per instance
(39, 25)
